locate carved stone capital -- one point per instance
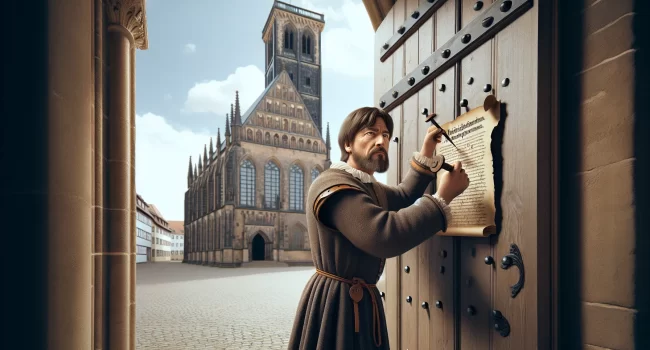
(131, 15)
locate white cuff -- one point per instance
(446, 209)
(430, 162)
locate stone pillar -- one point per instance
(69, 174)
(125, 31)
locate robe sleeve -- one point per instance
(412, 186)
(377, 231)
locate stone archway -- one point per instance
(257, 248)
(260, 247)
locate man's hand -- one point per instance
(452, 184)
(431, 140)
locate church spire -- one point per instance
(189, 173)
(196, 174)
(327, 141)
(218, 141)
(227, 131)
(205, 155)
(200, 164)
(232, 114)
(211, 149)
(237, 108)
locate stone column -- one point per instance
(125, 32)
(69, 175)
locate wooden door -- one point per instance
(444, 294)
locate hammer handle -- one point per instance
(448, 167)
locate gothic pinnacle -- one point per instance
(227, 126)
(205, 155)
(327, 137)
(211, 148)
(237, 108)
(218, 140)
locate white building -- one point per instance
(162, 236)
(178, 234)
(143, 231)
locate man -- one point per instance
(355, 223)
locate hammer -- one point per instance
(445, 166)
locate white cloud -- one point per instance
(162, 156)
(189, 48)
(216, 96)
(347, 49)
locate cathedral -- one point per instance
(246, 194)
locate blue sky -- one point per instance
(200, 52)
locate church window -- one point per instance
(288, 39)
(271, 186)
(296, 195)
(247, 184)
(308, 81)
(306, 44)
(314, 174)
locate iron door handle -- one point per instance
(514, 258)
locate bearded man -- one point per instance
(355, 223)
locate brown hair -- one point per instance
(358, 119)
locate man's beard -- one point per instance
(378, 164)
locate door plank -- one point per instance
(516, 59)
(409, 145)
(384, 81)
(475, 277)
(425, 268)
(440, 250)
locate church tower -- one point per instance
(292, 37)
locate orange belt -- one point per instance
(356, 294)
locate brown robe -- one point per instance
(352, 230)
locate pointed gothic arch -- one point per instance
(297, 237)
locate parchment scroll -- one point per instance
(473, 212)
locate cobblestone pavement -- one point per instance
(181, 306)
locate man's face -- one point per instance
(369, 149)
